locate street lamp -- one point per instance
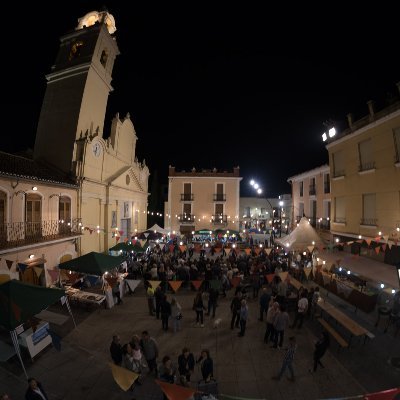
(280, 218)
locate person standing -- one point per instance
(207, 365)
(288, 360)
(150, 351)
(264, 301)
(280, 324)
(35, 390)
(176, 314)
(321, 346)
(185, 366)
(198, 306)
(158, 295)
(273, 310)
(302, 306)
(244, 314)
(116, 350)
(165, 310)
(150, 300)
(235, 309)
(212, 301)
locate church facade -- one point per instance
(113, 183)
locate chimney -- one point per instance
(398, 86)
(350, 120)
(371, 110)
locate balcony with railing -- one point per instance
(369, 221)
(312, 190)
(17, 234)
(325, 225)
(187, 197)
(369, 166)
(186, 218)
(313, 222)
(327, 187)
(219, 219)
(219, 197)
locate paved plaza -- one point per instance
(243, 365)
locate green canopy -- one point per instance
(93, 263)
(128, 246)
(20, 301)
(203, 232)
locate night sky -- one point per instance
(215, 87)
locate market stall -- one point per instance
(98, 265)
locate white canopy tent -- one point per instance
(158, 228)
(301, 238)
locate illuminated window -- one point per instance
(75, 50)
(103, 58)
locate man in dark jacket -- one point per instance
(235, 309)
(264, 302)
(116, 350)
(185, 366)
(165, 310)
(212, 301)
(35, 391)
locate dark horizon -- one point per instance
(203, 92)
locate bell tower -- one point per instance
(78, 86)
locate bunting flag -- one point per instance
(377, 239)
(111, 280)
(175, 285)
(247, 251)
(257, 250)
(390, 244)
(307, 271)
(283, 275)
(171, 248)
(176, 392)
(268, 251)
(385, 238)
(154, 284)
(377, 249)
(133, 283)
(235, 281)
(123, 377)
(142, 242)
(197, 284)
(116, 238)
(9, 264)
(38, 271)
(182, 248)
(161, 245)
(368, 241)
(54, 274)
(22, 267)
(145, 235)
(310, 249)
(270, 277)
(215, 284)
(4, 278)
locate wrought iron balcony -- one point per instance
(17, 234)
(219, 197)
(219, 219)
(369, 221)
(186, 218)
(366, 166)
(187, 197)
(312, 190)
(327, 187)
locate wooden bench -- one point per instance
(342, 342)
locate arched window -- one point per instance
(33, 214)
(64, 209)
(103, 58)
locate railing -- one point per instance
(338, 173)
(187, 197)
(369, 221)
(312, 190)
(186, 218)
(366, 166)
(219, 219)
(17, 234)
(327, 187)
(325, 224)
(219, 197)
